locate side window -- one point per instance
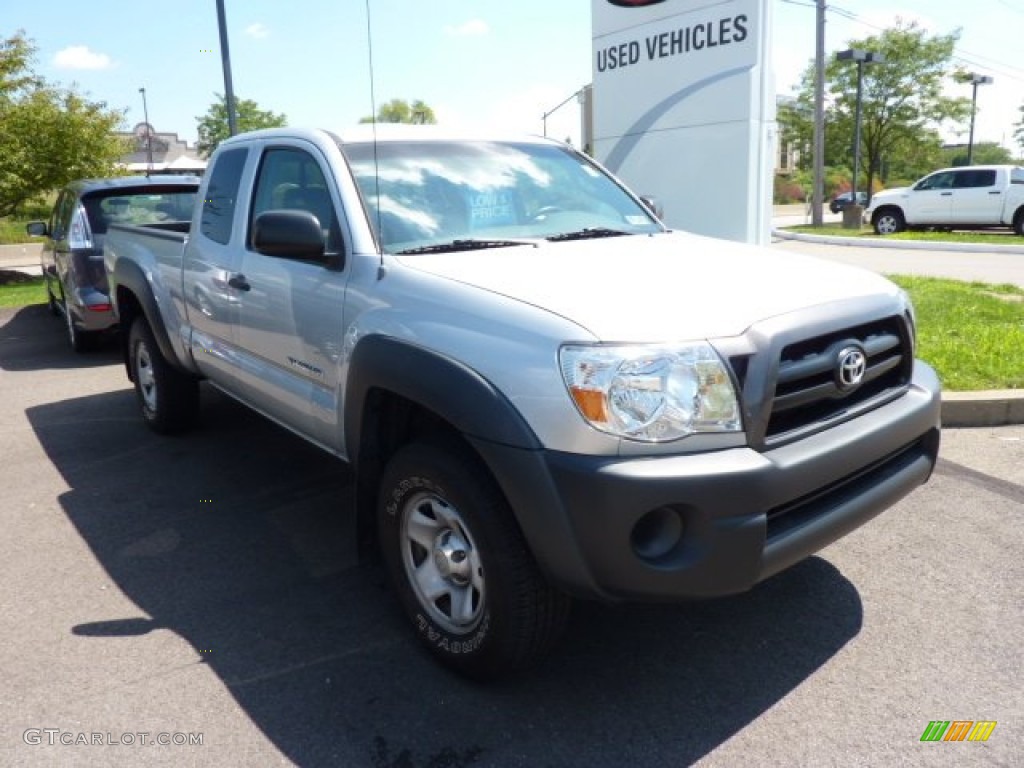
(938, 181)
(56, 215)
(1017, 175)
(68, 205)
(291, 179)
(221, 195)
(975, 178)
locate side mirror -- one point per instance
(36, 228)
(290, 234)
(653, 205)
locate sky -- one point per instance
(480, 64)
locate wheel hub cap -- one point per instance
(451, 558)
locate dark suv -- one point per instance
(839, 202)
(72, 258)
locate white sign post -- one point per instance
(684, 109)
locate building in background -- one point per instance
(169, 153)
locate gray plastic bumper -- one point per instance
(743, 515)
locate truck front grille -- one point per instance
(808, 391)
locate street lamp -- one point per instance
(225, 60)
(862, 58)
(975, 81)
(149, 133)
(544, 118)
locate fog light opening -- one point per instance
(657, 533)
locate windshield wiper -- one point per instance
(470, 244)
(588, 233)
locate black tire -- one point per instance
(484, 624)
(80, 341)
(51, 300)
(168, 398)
(888, 221)
(1018, 222)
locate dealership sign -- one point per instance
(684, 108)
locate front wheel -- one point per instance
(461, 567)
(168, 398)
(1018, 223)
(889, 222)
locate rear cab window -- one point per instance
(221, 199)
(157, 205)
(974, 178)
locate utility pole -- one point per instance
(225, 58)
(818, 193)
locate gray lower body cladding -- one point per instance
(713, 524)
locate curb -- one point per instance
(906, 245)
(992, 408)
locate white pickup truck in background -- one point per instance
(971, 197)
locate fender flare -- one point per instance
(129, 276)
(442, 385)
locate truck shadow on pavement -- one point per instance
(238, 537)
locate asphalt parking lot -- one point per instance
(206, 585)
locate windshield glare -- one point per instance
(432, 193)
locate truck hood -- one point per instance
(888, 194)
(666, 287)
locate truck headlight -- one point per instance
(652, 394)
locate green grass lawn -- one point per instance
(999, 237)
(12, 231)
(972, 333)
(18, 289)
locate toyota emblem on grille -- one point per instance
(851, 362)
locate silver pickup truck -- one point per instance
(542, 391)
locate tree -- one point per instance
(213, 126)
(985, 153)
(903, 105)
(401, 111)
(51, 135)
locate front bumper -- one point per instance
(721, 521)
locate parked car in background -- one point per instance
(72, 257)
(841, 201)
(969, 197)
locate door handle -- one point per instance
(238, 282)
(994, 192)
(946, 194)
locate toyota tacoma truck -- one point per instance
(542, 391)
(971, 197)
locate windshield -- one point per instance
(430, 194)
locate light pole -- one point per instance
(225, 60)
(975, 81)
(862, 58)
(818, 159)
(546, 115)
(149, 133)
